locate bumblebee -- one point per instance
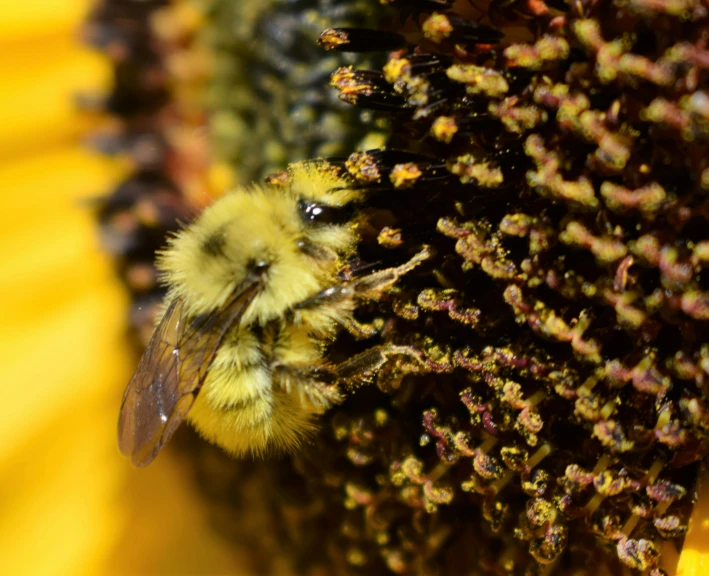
(254, 298)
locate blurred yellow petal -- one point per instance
(694, 560)
(71, 504)
(51, 234)
(46, 82)
(27, 19)
(64, 362)
(57, 489)
(167, 530)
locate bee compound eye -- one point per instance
(317, 213)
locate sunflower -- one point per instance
(72, 504)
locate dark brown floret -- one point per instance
(365, 88)
(574, 235)
(360, 40)
(451, 28)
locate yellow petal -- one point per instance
(38, 100)
(62, 362)
(23, 19)
(71, 503)
(56, 491)
(694, 560)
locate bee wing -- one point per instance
(171, 373)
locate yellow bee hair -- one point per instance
(252, 399)
(244, 410)
(260, 226)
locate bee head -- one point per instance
(293, 238)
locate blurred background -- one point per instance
(69, 502)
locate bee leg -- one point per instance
(364, 367)
(368, 287)
(321, 394)
(331, 300)
(371, 286)
(310, 384)
(362, 330)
